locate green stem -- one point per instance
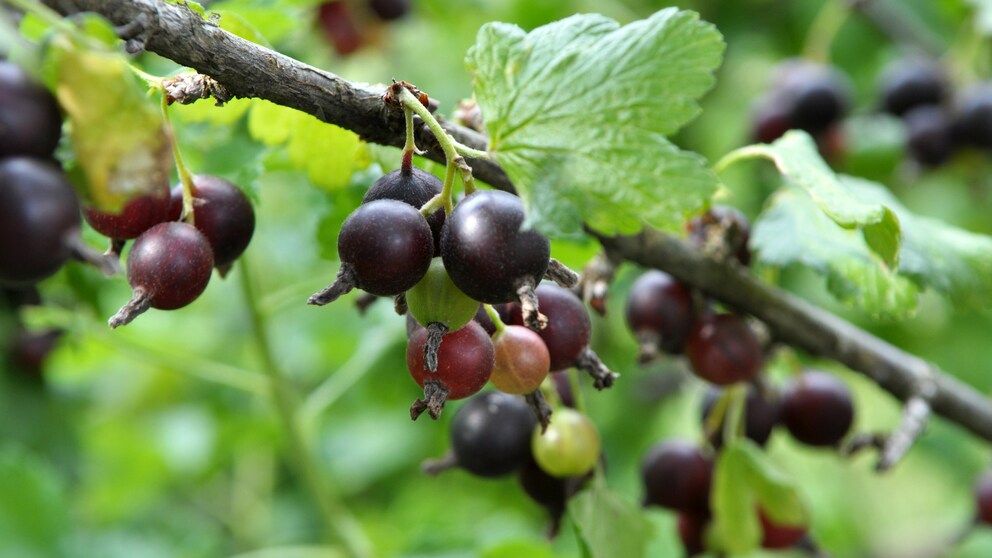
(824, 29)
(716, 416)
(494, 316)
(447, 195)
(733, 428)
(337, 520)
(447, 143)
(410, 147)
(184, 175)
(742, 154)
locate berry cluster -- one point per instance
(170, 262)
(721, 348)
(349, 25)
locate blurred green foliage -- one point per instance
(160, 439)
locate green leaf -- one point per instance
(793, 230)
(234, 23)
(952, 261)
(777, 494)
(736, 528)
(577, 113)
(33, 506)
(796, 157)
(515, 549)
(330, 155)
(609, 525)
(117, 130)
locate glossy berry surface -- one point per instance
(465, 360)
(569, 447)
(38, 212)
(660, 310)
(778, 537)
(817, 408)
(485, 250)
(435, 299)
(222, 212)
(30, 121)
(490, 434)
(677, 475)
(761, 412)
(136, 216)
(929, 136)
(416, 188)
(723, 350)
(569, 328)
(908, 84)
(389, 246)
(983, 497)
(170, 262)
(389, 10)
(522, 360)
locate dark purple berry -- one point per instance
(415, 187)
(168, 267)
(677, 475)
(30, 121)
(973, 117)
(39, 213)
(136, 216)
(723, 350)
(487, 253)
(983, 497)
(817, 408)
(490, 434)
(223, 213)
(660, 312)
(907, 84)
(817, 95)
(569, 328)
(389, 10)
(929, 138)
(761, 413)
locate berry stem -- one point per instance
(532, 316)
(184, 175)
(590, 363)
(343, 284)
(447, 143)
(337, 519)
(716, 417)
(733, 427)
(435, 334)
(109, 264)
(561, 274)
(410, 147)
(434, 467)
(139, 304)
(494, 316)
(542, 410)
(823, 30)
(435, 396)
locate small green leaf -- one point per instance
(736, 528)
(796, 157)
(777, 494)
(577, 113)
(608, 525)
(793, 230)
(117, 130)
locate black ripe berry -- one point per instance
(818, 95)
(487, 253)
(390, 9)
(817, 408)
(660, 312)
(761, 412)
(973, 118)
(224, 215)
(385, 247)
(136, 216)
(168, 267)
(723, 350)
(929, 136)
(30, 121)
(908, 84)
(490, 434)
(415, 187)
(465, 362)
(39, 216)
(568, 330)
(678, 476)
(692, 532)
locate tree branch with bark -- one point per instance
(245, 69)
